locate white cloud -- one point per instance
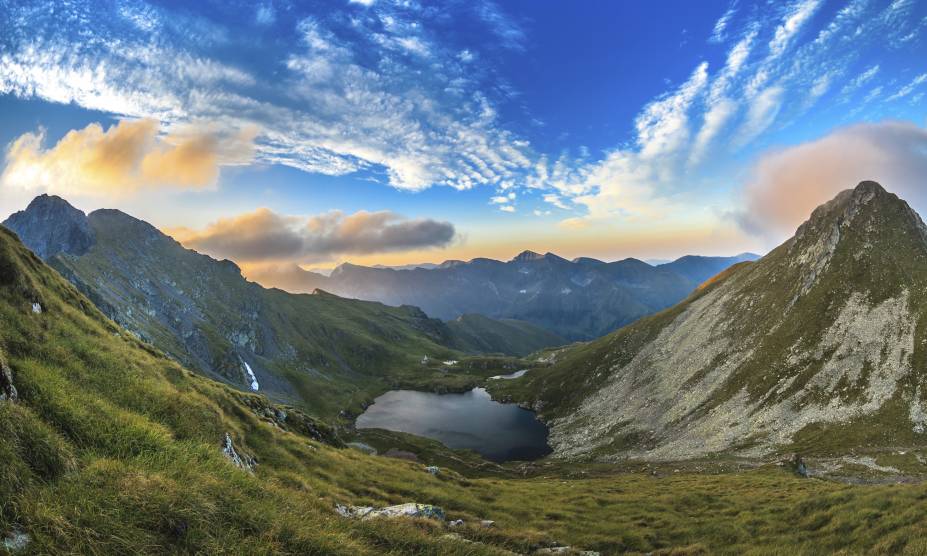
(797, 16)
(265, 14)
(662, 127)
(356, 93)
(555, 200)
(760, 115)
(909, 88)
(507, 208)
(860, 80)
(718, 32)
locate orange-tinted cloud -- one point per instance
(128, 156)
(264, 235)
(788, 184)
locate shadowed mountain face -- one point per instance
(50, 225)
(319, 350)
(816, 347)
(579, 299)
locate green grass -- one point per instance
(115, 449)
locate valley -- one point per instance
(97, 420)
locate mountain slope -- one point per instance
(479, 334)
(697, 269)
(323, 352)
(579, 299)
(108, 447)
(817, 346)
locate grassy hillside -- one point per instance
(816, 347)
(478, 334)
(111, 448)
(321, 352)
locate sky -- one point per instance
(402, 131)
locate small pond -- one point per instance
(472, 420)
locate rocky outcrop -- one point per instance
(241, 461)
(426, 511)
(15, 542)
(50, 225)
(7, 389)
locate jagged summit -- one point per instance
(814, 348)
(526, 256)
(50, 225)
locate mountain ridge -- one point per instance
(321, 351)
(810, 348)
(578, 300)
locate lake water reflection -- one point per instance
(472, 420)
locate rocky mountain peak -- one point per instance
(527, 255)
(50, 225)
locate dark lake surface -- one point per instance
(472, 420)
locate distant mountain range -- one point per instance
(578, 300)
(321, 351)
(816, 348)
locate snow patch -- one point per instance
(37, 308)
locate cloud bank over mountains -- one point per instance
(263, 236)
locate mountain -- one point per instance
(51, 226)
(817, 347)
(109, 447)
(317, 350)
(697, 269)
(479, 334)
(579, 299)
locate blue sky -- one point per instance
(405, 131)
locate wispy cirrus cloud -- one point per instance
(773, 73)
(367, 86)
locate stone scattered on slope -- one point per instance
(228, 448)
(16, 541)
(820, 333)
(7, 390)
(411, 509)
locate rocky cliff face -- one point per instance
(318, 350)
(50, 225)
(817, 346)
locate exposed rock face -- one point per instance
(205, 314)
(7, 389)
(50, 225)
(402, 510)
(819, 334)
(242, 462)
